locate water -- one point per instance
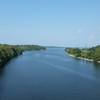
(49, 75)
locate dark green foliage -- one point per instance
(7, 52)
(89, 53)
(97, 55)
(75, 51)
(31, 47)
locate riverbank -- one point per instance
(89, 54)
(8, 52)
(89, 60)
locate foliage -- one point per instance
(7, 52)
(89, 53)
(97, 55)
(74, 51)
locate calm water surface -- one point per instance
(49, 75)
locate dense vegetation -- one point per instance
(8, 52)
(89, 53)
(31, 47)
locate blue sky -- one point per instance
(50, 22)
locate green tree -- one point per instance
(97, 55)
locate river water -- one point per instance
(49, 75)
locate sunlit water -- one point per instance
(49, 75)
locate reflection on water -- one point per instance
(1, 81)
(49, 75)
(1, 72)
(97, 66)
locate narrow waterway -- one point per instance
(49, 75)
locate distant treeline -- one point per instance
(31, 47)
(89, 53)
(8, 52)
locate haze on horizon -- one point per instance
(50, 22)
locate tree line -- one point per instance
(7, 52)
(89, 53)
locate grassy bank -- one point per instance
(7, 52)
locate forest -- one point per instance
(7, 52)
(89, 53)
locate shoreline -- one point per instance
(86, 59)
